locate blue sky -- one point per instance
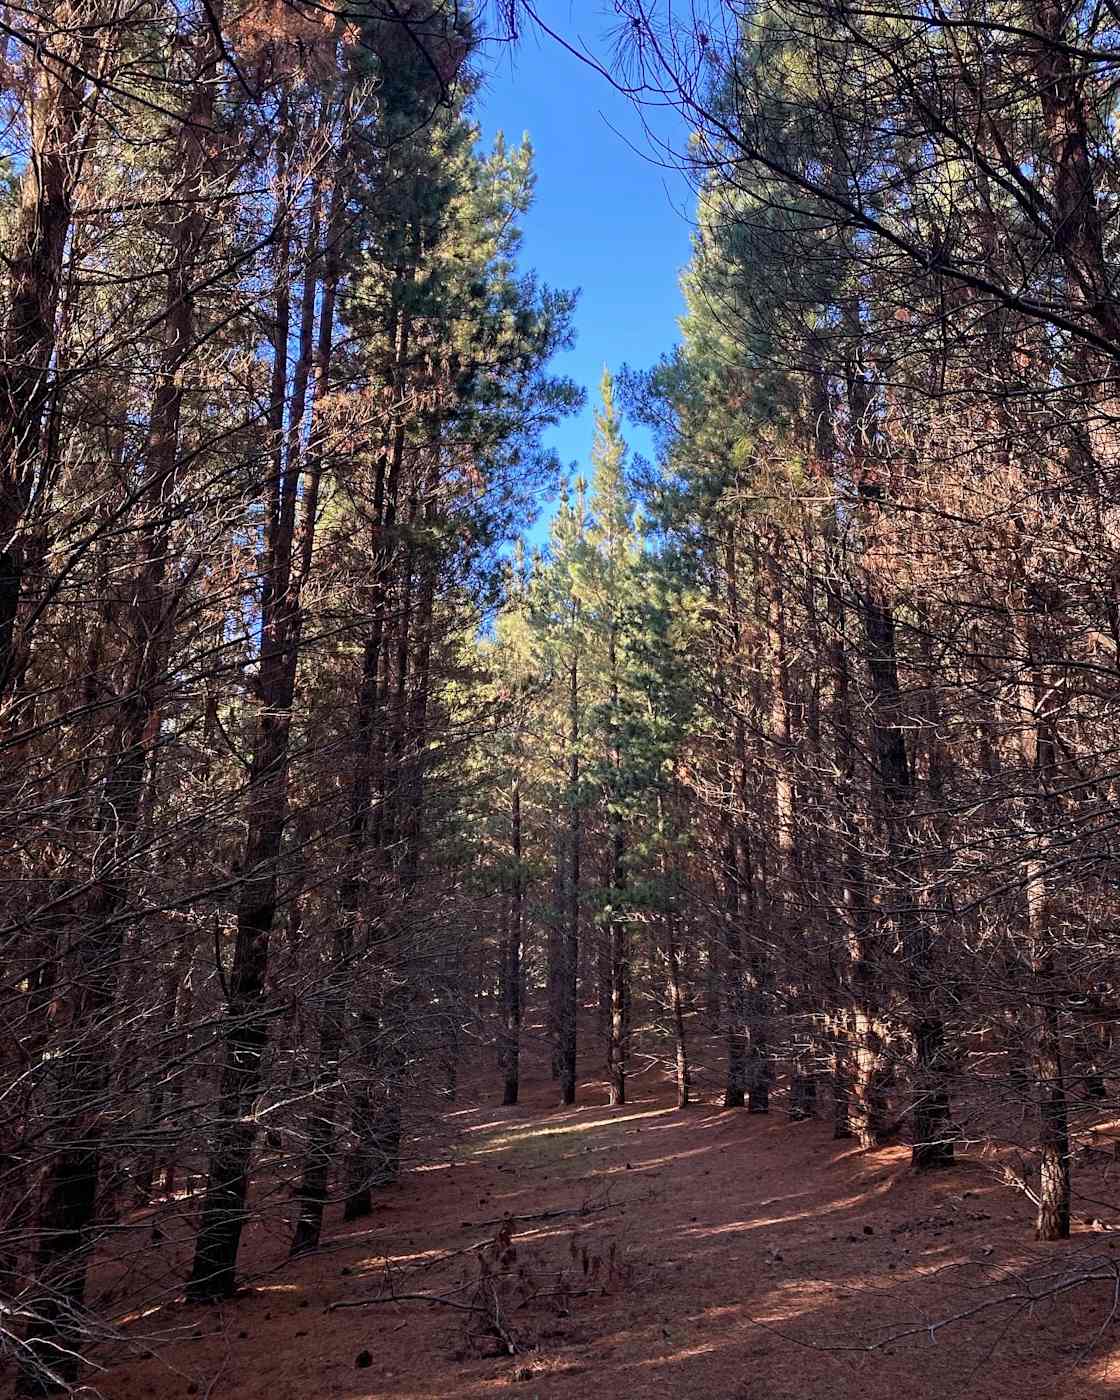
(607, 218)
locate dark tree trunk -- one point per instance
(364, 826)
(555, 972)
(674, 979)
(618, 934)
(52, 1356)
(859, 1090)
(287, 561)
(735, 1087)
(34, 261)
(618, 1046)
(570, 958)
(932, 1144)
(1079, 232)
(713, 979)
(512, 988)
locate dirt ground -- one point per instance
(718, 1255)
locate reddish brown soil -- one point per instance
(741, 1258)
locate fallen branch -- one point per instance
(543, 1215)
(403, 1298)
(1007, 1175)
(561, 1293)
(1023, 1300)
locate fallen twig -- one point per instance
(561, 1293)
(542, 1215)
(220, 1372)
(403, 1298)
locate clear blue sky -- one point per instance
(607, 218)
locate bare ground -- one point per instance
(721, 1255)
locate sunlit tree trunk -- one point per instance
(618, 1047)
(1038, 751)
(570, 948)
(512, 980)
(675, 986)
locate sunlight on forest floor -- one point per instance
(519, 1135)
(703, 1254)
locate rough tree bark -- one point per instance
(618, 1043)
(1037, 746)
(932, 1144)
(568, 1001)
(67, 1209)
(57, 108)
(287, 558)
(512, 981)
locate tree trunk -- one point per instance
(34, 261)
(1038, 749)
(735, 1087)
(287, 561)
(557, 916)
(52, 1356)
(674, 980)
(932, 1144)
(676, 1011)
(379, 758)
(512, 988)
(618, 1046)
(803, 1087)
(570, 959)
(860, 1103)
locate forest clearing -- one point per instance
(560, 698)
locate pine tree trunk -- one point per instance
(618, 1050)
(735, 1087)
(932, 1144)
(1076, 201)
(1038, 748)
(619, 1047)
(34, 259)
(570, 959)
(287, 562)
(841, 1082)
(404, 998)
(713, 980)
(512, 989)
(366, 824)
(803, 1088)
(557, 915)
(676, 1011)
(52, 1356)
(859, 1095)
(314, 1184)
(601, 942)
(1055, 1187)
(674, 979)
(319, 1125)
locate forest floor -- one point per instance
(718, 1255)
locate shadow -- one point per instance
(706, 1254)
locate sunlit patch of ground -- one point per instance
(702, 1254)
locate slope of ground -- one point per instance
(656, 1252)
